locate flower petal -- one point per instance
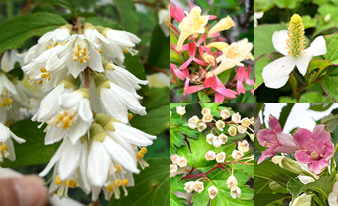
(317, 47)
(98, 164)
(321, 134)
(302, 137)
(279, 41)
(318, 166)
(276, 74)
(303, 156)
(69, 159)
(302, 63)
(274, 124)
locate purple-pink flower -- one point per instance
(315, 149)
(274, 140)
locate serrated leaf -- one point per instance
(15, 32)
(157, 118)
(151, 186)
(203, 97)
(129, 17)
(176, 185)
(159, 49)
(331, 47)
(33, 151)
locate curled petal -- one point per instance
(302, 137)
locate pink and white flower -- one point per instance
(315, 149)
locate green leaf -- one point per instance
(176, 139)
(15, 32)
(159, 49)
(319, 107)
(99, 21)
(286, 100)
(129, 18)
(270, 171)
(259, 65)
(309, 22)
(157, 118)
(176, 185)
(159, 148)
(33, 151)
(62, 3)
(294, 186)
(263, 5)
(323, 186)
(291, 4)
(330, 84)
(318, 64)
(203, 97)
(263, 38)
(269, 199)
(312, 97)
(331, 47)
(151, 186)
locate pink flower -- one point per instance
(315, 149)
(274, 140)
(220, 91)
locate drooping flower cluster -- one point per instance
(224, 121)
(312, 148)
(87, 108)
(200, 54)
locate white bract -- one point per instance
(291, 45)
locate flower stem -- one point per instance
(79, 26)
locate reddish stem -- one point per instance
(25, 9)
(86, 76)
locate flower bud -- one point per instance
(232, 131)
(175, 158)
(243, 146)
(189, 186)
(220, 125)
(205, 111)
(182, 162)
(232, 181)
(241, 129)
(173, 169)
(201, 126)
(198, 186)
(212, 190)
(237, 154)
(217, 142)
(193, 121)
(236, 117)
(223, 24)
(291, 165)
(210, 155)
(274, 185)
(207, 118)
(180, 110)
(224, 138)
(225, 114)
(218, 45)
(210, 138)
(246, 122)
(220, 157)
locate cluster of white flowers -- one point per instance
(16, 102)
(178, 165)
(90, 94)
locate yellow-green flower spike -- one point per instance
(296, 41)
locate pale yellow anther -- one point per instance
(45, 74)
(65, 119)
(3, 148)
(6, 102)
(143, 150)
(118, 183)
(110, 188)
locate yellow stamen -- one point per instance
(110, 188)
(130, 116)
(143, 150)
(139, 155)
(58, 180)
(6, 102)
(71, 183)
(125, 182)
(3, 148)
(118, 168)
(296, 41)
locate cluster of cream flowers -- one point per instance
(90, 93)
(236, 124)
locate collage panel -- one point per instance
(296, 51)
(211, 153)
(296, 154)
(211, 46)
(84, 102)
